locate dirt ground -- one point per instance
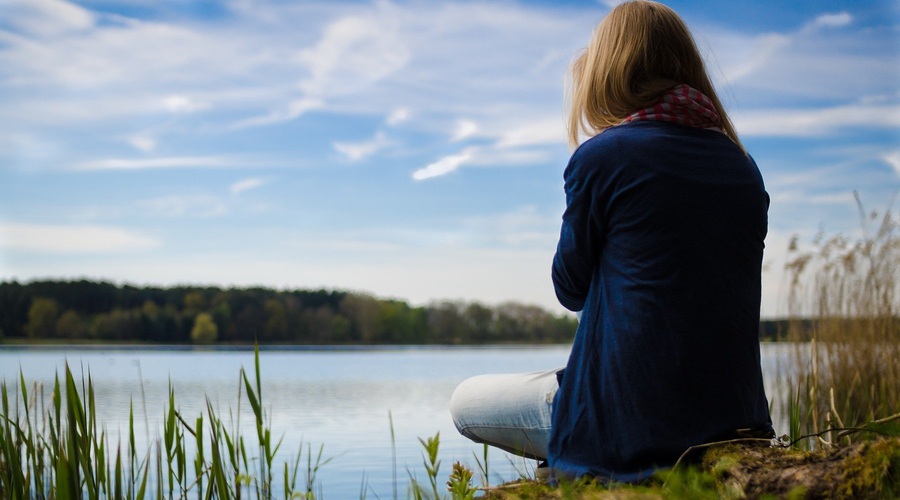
(869, 469)
(862, 470)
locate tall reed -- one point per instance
(844, 303)
(61, 452)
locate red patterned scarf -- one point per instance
(684, 105)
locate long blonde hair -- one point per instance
(639, 51)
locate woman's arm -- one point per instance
(581, 236)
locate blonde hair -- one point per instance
(640, 50)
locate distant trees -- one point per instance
(100, 311)
(42, 317)
(205, 330)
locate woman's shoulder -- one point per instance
(604, 154)
(621, 136)
(638, 148)
(622, 141)
(615, 143)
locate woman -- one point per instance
(660, 249)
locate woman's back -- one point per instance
(668, 224)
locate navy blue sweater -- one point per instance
(661, 247)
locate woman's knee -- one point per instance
(466, 400)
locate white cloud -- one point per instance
(397, 116)
(893, 159)
(830, 21)
(247, 184)
(142, 142)
(354, 52)
(815, 122)
(355, 151)
(277, 62)
(810, 62)
(47, 18)
(285, 113)
(443, 166)
(182, 104)
(546, 131)
(515, 157)
(73, 238)
(151, 163)
(464, 130)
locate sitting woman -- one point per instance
(661, 250)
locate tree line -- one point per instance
(100, 311)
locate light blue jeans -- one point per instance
(509, 411)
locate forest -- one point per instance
(97, 311)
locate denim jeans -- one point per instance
(509, 411)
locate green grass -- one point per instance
(58, 452)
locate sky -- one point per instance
(407, 149)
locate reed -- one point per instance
(60, 452)
(844, 305)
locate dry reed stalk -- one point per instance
(844, 301)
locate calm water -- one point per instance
(341, 399)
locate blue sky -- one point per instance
(409, 149)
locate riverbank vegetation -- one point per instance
(89, 311)
(849, 370)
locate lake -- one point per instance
(341, 398)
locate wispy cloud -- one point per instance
(282, 113)
(398, 116)
(816, 122)
(47, 18)
(547, 131)
(355, 51)
(154, 163)
(893, 159)
(248, 184)
(834, 20)
(443, 166)
(820, 59)
(142, 142)
(464, 130)
(355, 151)
(78, 239)
(183, 104)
